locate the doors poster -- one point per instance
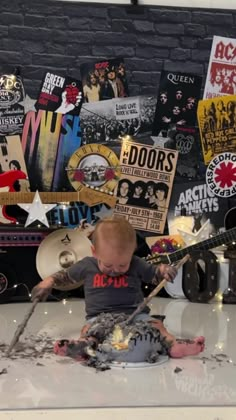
(48, 141)
(103, 80)
(194, 200)
(217, 125)
(11, 111)
(221, 73)
(177, 101)
(145, 186)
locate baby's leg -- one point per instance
(75, 348)
(184, 347)
(180, 347)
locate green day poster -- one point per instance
(48, 141)
(144, 189)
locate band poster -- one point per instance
(177, 101)
(199, 204)
(103, 80)
(144, 189)
(60, 94)
(12, 94)
(217, 125)
(48, 141)
(120, 117)
(221, 73)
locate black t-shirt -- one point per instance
(104, 293)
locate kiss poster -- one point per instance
(48, 141)
(221, 73)
(60, 94)
(177, 102)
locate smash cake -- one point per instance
(111, 341)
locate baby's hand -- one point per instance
(42, 290)
(167, 272)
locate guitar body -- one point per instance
(7, 182)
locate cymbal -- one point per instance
(60, 249)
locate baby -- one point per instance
(112, 281)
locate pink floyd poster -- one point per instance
(221, 74)
(48, 141)
(177, 101)
(104, 80)
(11, 111)
(60, 94)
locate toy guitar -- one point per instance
(220, 239)
(9, 197)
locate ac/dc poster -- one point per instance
(60, 94)
(48, 141)
(195, 199)
(217, 125)
(11, 111)
(120, 117)
(221, 73)
(145, 185)
(104, 80)
(177, 101)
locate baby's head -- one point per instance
(114, 242)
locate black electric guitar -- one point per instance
(226, 238)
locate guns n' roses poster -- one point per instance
(177, 101)
(145, 185)
(221, 74)
(217, 125)
(104, 80)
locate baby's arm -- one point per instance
(165, 271)
(59, 280)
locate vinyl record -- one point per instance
(60, 250)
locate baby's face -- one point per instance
(113, 262)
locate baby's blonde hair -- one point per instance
(116, 231)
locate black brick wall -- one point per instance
(41, 35)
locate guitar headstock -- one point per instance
(158, 259)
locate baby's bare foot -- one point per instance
(185, 347)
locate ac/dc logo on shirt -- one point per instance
(103, 280)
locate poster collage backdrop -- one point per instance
(94, 137)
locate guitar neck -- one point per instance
(10, 198)
(220, 239)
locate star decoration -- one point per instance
(28, 104)
(37, 210)
(194, 238)
(159, 141)
(104, 212)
